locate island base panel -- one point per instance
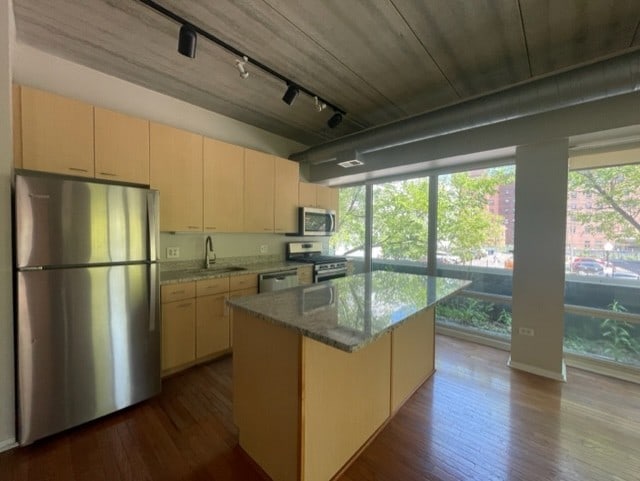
(346, 399)
(266, 397)
(412, 356)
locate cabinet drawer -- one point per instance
(208, 287)
(243, 282)
(176, 292)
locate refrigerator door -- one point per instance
(70, 222)
(88, 344)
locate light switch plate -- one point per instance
(263, 249)
(173, 252)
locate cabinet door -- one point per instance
(176, 171)
(259, 183)
(249, 291)
(17, 126)
(285, 213)
(307, 194)
(178, 333)
(212, 325)
(327, 197)
(223, 167)
(57, 133)
(121, 147)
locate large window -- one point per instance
(476, 210)
(602, 294)
(400, 215)
(349, 239)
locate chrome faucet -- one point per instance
(208, 253)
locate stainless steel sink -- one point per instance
(223, 269)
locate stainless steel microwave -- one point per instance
(313, 221)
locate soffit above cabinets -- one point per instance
(378, 61)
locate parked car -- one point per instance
(576, 262)
(590, 267)
(446, 258)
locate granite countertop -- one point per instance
(195, 274)
(350, 312)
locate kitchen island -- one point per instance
(319, 369)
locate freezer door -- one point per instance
(88, 344)
(72, 222)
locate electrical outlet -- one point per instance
(173, 252)
(263, 249)
(526, 331)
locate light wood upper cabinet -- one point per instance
(307, 194)
(327, 198)
(57, 133)
(121, 147)
(176, 171)
(285, 213)
(223, 167)
(17, 126)
(259, 183)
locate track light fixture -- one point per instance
(240, 66)
(187, 41)
(320, 106)
(291, 94)
(188, 38)
(335, 120)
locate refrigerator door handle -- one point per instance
(152, 276)
(152, 212)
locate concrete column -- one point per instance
(539, 255)
(7, 385)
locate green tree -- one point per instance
(615, 200)
(464, 223)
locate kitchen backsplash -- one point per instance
(228, 247)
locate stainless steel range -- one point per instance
(324, 267)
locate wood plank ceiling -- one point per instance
(379, 60)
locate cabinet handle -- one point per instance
(193, 227)
(177, 292)
(210, 228)
(268, 229)
(186, 304)
(109, 174)
(76, 169)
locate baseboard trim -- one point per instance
(472, 337)
(604, 368)
(562, 376)
(8, 444)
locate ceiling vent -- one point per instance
(350, 163)
(348, 158)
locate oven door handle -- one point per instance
(331, 271)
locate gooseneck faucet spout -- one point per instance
(209, 255)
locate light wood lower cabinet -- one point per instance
(178, 325)
(196, 322)
(212, 317)
(212, 325)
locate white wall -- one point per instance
(539, 254)
(7, 403)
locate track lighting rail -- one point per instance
(339, 113)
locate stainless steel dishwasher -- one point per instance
(275, 281)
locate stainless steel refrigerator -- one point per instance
(88, 328)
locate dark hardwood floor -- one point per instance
(474, 420)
